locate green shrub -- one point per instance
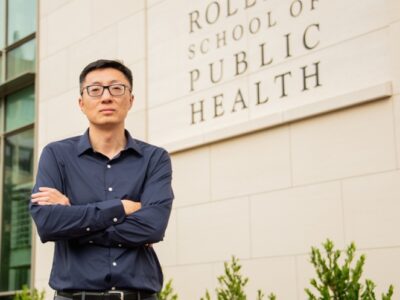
(27, 295)
(334, 281)
(340, 282)
(168, 292)
(232, 283)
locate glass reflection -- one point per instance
(20, 108)
(21, 19)
(16, 225)
(21, 60)
(2, 23)
(1, 69)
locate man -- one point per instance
(103, 197)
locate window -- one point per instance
(2, 35)
(2, 23)
(21, 59)
(16, 229)
(17, 116)
(20, 108)
(21, 19)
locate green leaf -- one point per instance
(168, 292)
(335, 281)
(232, 284)
(27, 294)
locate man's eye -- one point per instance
(95, 89)
(117, 88)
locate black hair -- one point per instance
(103, 64)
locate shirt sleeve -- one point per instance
(57, 222)
(148, 224)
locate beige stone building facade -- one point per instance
(282, 118)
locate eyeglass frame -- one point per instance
(104, 87)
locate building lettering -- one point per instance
(269, 49)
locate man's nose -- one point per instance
(106, 96)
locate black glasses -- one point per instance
(117, 89)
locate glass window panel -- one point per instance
(21, 60)
(1, 68)
(2, 116)
(20, 108)
(21, 19)
(16, 226)
(2, 23)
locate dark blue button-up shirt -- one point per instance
(98, 247)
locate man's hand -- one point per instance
(130, 206)
(49, 196)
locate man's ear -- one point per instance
(81, 104)
(132, 99)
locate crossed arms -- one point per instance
(50, 196)
(110, 223)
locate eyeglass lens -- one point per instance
(98, 90)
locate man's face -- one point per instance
(106, 110)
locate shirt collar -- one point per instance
(84, 143)
(132, 143)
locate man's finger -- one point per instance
(44, 203)
(41, 199)
(39, 194)
(44, 188)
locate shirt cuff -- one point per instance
(112, 212)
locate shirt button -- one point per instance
(115, 220)
(109, 166)
(114, 263)
(90, 242)
(87, 228)
(113, 288)
(110, 189)
(120, 245)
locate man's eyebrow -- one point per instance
(116, 81)
(94, 83)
